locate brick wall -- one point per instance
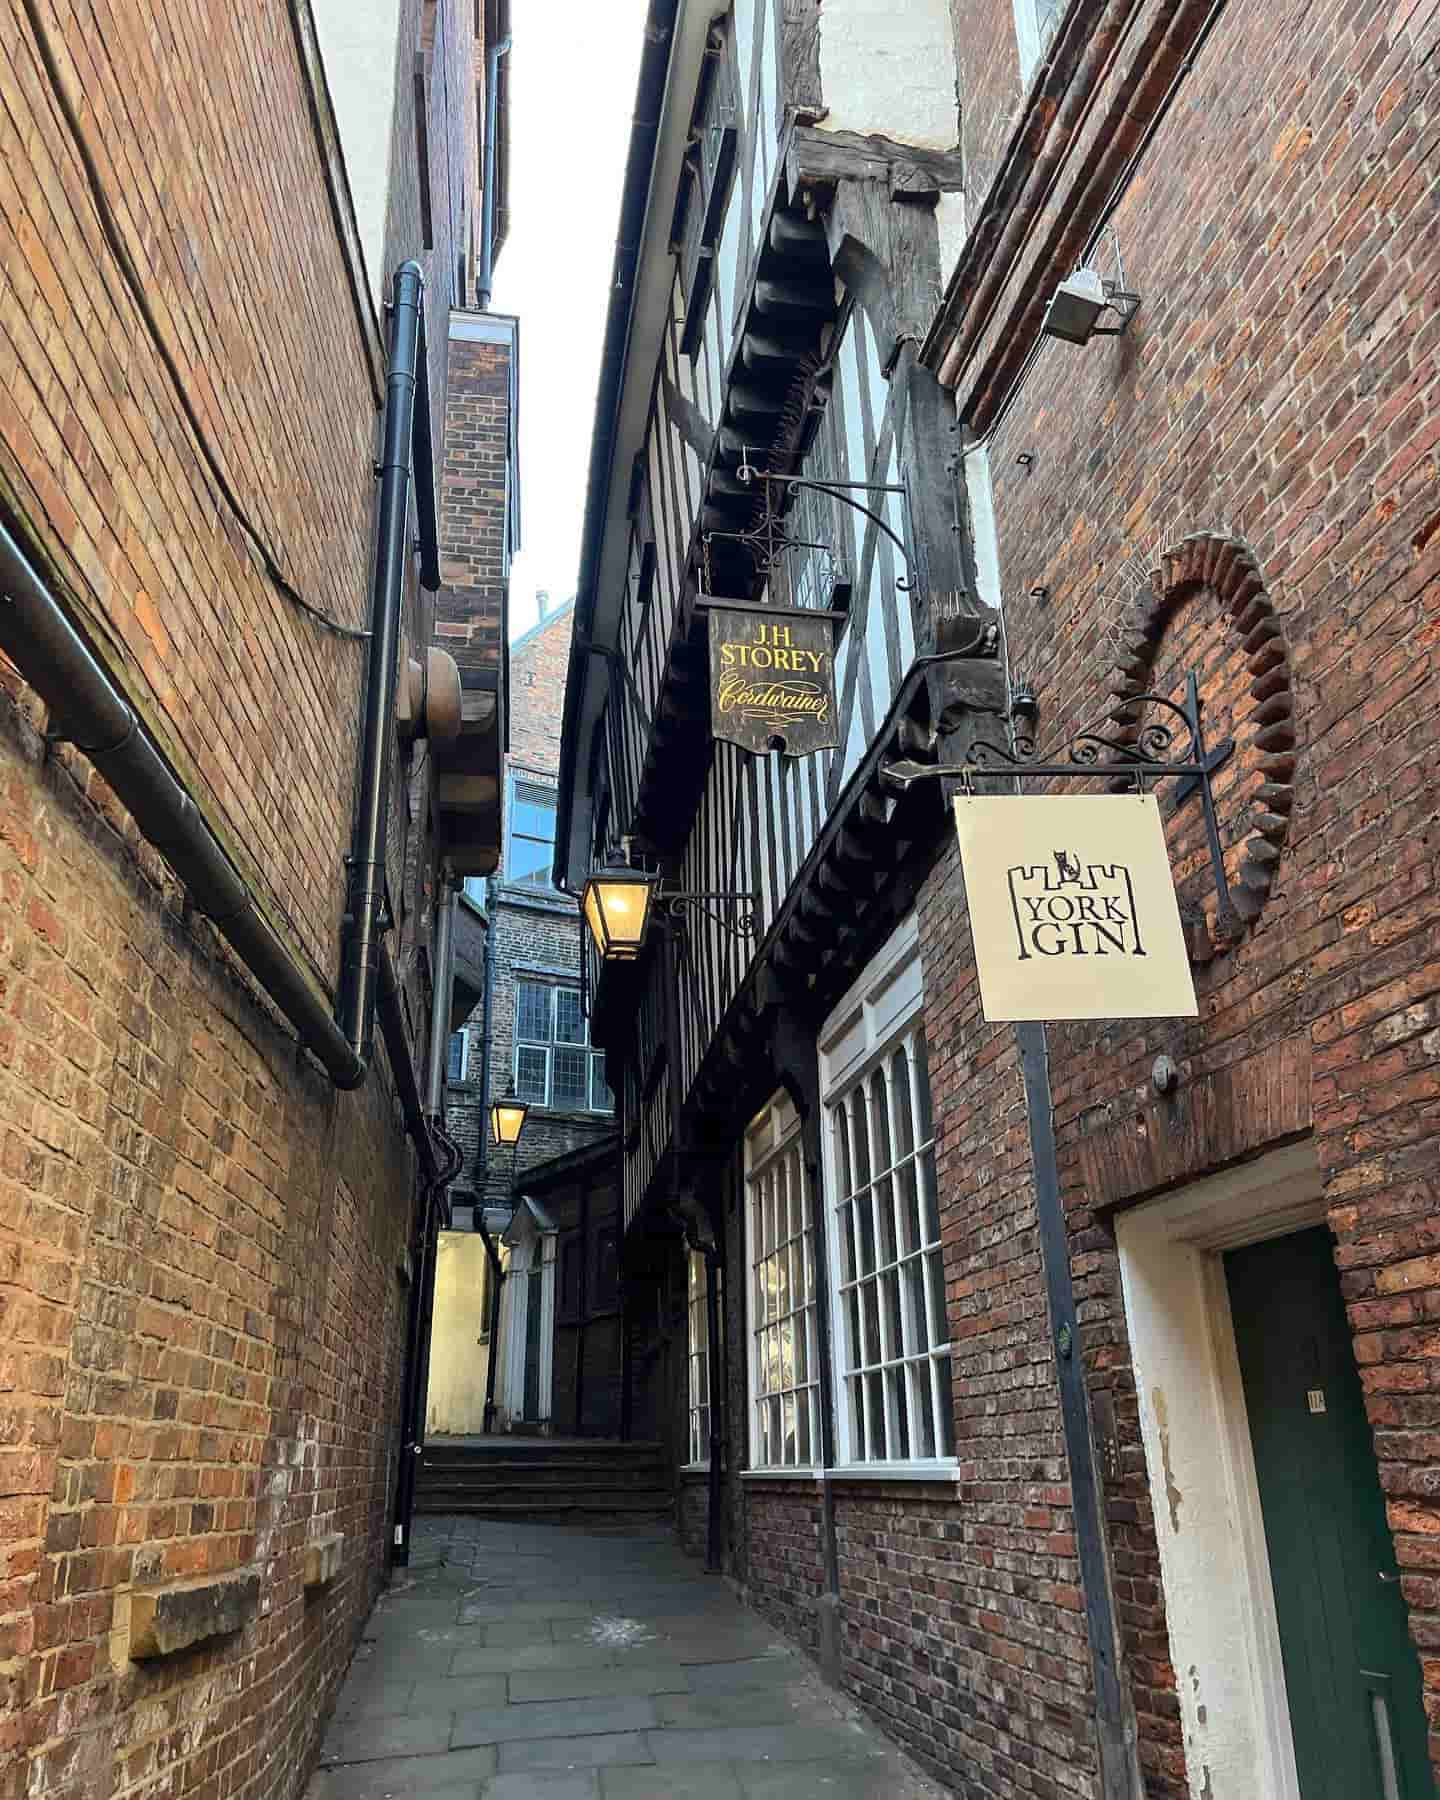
(1278, 385)
(201, 1320)
(539, 663)
(474, 500)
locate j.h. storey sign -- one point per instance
(1072, 908)
(772, 680)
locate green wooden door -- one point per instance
(1351, 1674)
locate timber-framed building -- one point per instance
(973, 1343)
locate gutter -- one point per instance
(639, 167)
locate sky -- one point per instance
(573, 68)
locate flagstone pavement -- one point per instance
(541, 1662)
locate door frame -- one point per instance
(1219, 1596)
(529, 1248)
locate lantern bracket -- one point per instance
(1153, 754)
(737, 913)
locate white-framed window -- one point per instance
(457, 1057)
(530, 833)
(780, 1250)
(1036, 22)
(554, 1063)
(892, 1333)
(698, 1340)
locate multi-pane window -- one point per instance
(698, 1307)
(784, 1367)
(456, 1057)
(530, 855)
(892, 1331)
(554, 1063)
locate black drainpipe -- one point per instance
(407, 394)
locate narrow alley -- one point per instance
(540, 1662)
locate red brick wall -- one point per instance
(474, 504)
(200, 1313)
(538, 667)
(1278, 384)
(200, 1323)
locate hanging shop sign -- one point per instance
(1072, 907)
(772, 679)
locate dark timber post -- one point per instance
(798, 1064)
(1118, 1772)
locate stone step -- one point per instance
(547, 1506)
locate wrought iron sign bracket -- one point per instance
(769, 538)
(1094, 753)
(714, 904)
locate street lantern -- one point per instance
(507, 1119)
(616, 904)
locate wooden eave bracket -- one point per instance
(818, 160)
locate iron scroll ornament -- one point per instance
(1151, 755)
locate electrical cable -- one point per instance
(109, 227)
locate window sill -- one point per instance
(947, 1474)
(695, 1468)
(941, 1474)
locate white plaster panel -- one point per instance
(359, 45)
(890, 69)
(952, 229)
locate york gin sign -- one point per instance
(772, 679)
(1072, 908)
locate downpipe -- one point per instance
(406, 393)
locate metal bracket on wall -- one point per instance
(1096, 753)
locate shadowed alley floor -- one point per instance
(541, 1662)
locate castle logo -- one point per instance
(1072, 907)
(1066, 908)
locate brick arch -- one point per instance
(1228, 569)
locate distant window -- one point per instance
(455, 1067)
(1036, 22)
(554, 1063)
(475, 889)
(530, 856)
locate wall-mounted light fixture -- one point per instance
(507, 1118)
(619, 902)
(1080, 301)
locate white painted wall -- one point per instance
(1219, 1600)
(891, 68)
(359, 40)
(455, 1399)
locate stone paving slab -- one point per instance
(597, 1684)
(448, 1777)
(546, 1784)
(568, 1719)
(575, 1753)
(520, 1662)
(754, 1743)
(701, 1781)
